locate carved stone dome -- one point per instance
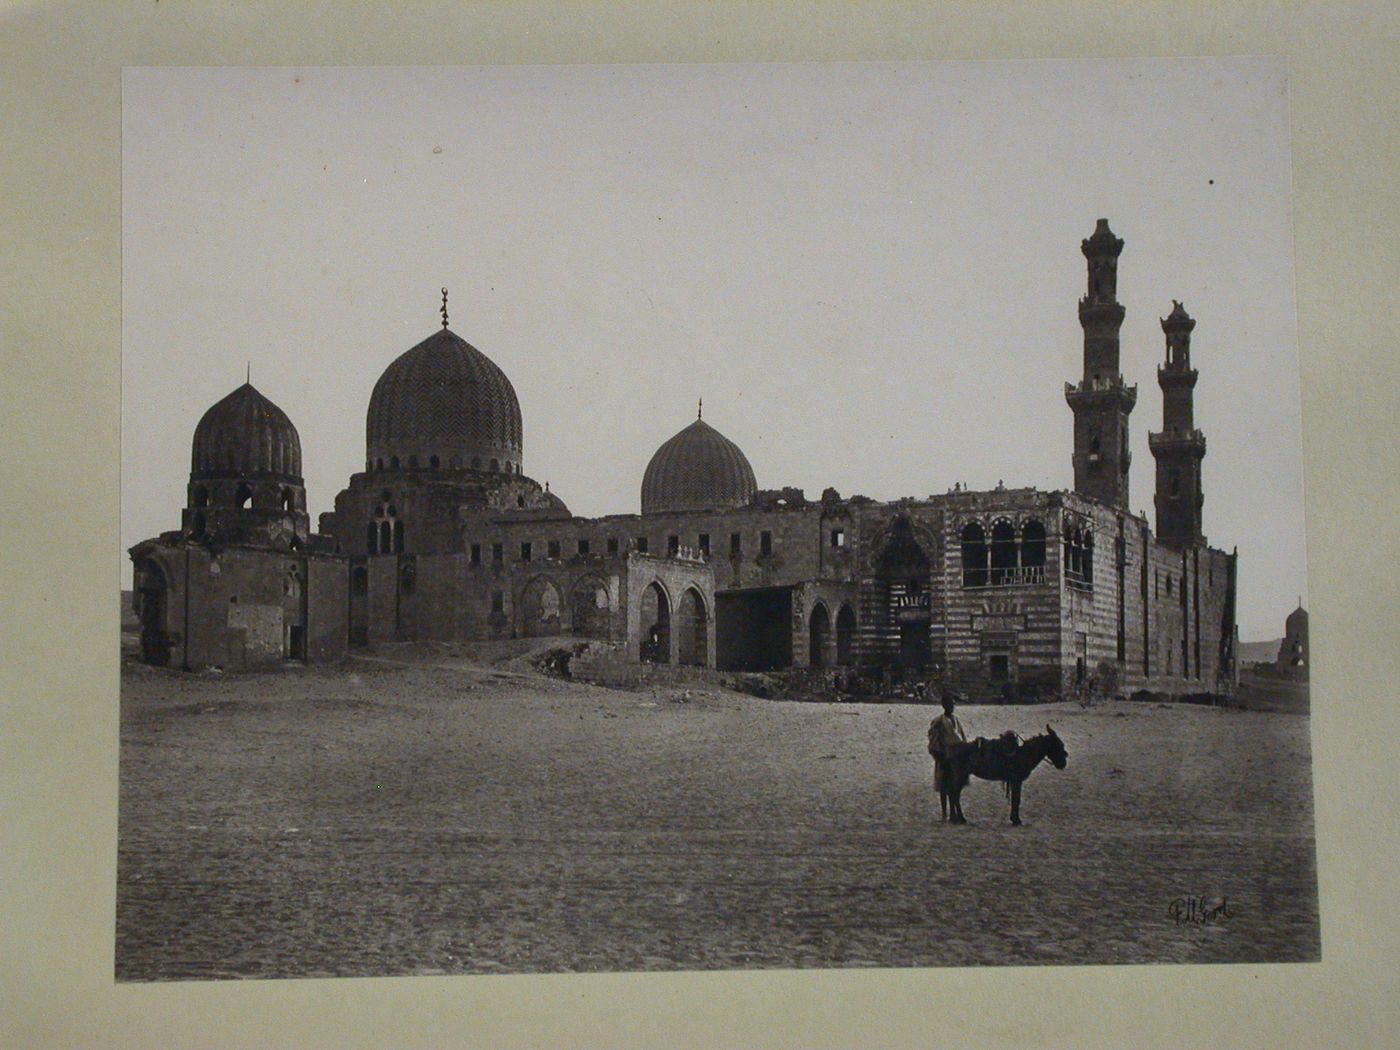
(444, 405)
(698, 469)
(245, 435)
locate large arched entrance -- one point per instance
(818, 634)
(539, 609)
(590, 606)
(903, 570)
(656, 625)
(692, 629)
(845, 635)
(150, 599)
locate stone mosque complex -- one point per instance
(1009, 594)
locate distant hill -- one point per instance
(1259, 652)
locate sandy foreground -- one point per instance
(411, 818)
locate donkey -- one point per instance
(1005, 759)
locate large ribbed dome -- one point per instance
(246, 435)
(444, 404)
(698, 469)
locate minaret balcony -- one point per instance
(1099, 389)
(1095, 310)
(1168, 375)
(1174, 440)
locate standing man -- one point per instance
(942, 731)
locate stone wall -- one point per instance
(674, 577)
(239, 608)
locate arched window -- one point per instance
(1033, 551)
(379, 463)
(372, 538)
(656, 625)
(393, 462)
(818, 635)
(398, 537)
(434, 462)
(692, 631)
(476, 463)
(200, 497)
(1003, 553)
(1079, 556)
(845, 635)
(243, 496)
(386, 538)
(289, 500)
(495, 466)
(974, 555)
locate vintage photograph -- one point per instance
(697, 517)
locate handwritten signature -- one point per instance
(1199, 911)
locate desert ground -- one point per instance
(421, 811)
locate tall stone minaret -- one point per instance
(1101, 402)
(1179, 447)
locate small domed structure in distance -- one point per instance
(697, 469)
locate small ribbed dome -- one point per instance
(698, 469)
(244, 435)
(444, 403)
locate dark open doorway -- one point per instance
(753, 629)
(150, 600)
(656, 625)
(818, 634)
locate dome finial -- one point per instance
(700, 409)
(248, 373)
(444, 307)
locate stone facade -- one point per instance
(237, 607)
(1012, 593)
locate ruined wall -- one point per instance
(674, 576)
(801, 544)
(241, 608)
(327, 609)
(830, 596)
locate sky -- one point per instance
(869, 271)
